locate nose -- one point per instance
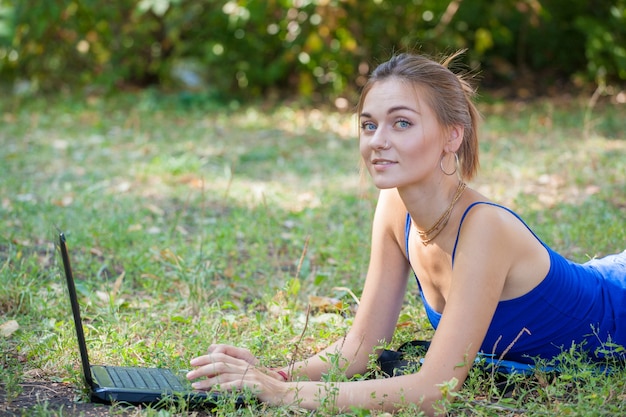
(378, 141)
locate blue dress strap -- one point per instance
(407, 231)
(458, 233)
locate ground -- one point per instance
(59, 398)
(55, 396)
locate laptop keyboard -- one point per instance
(150, 378)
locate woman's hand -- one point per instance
(234, 352)
(230, 368)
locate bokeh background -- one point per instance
(315, 50)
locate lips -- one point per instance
(382, 162)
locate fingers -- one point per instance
(226, 367)
(227, 381)
(215, 373)
(220, 371)
(214, 364)
(234, 352)
(216, 358)
(229, 373)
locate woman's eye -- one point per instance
(368, 126)
(403, 124)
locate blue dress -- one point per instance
(575, 304)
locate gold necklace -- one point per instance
(441, 223)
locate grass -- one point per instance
(194, 225)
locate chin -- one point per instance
(385, 185)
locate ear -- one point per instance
(455, 138)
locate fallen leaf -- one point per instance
(118, 284)
(325, 303)
(8, 328)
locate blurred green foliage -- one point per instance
(310, 48)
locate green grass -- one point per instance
(190, 225)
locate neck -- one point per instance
(432, 217)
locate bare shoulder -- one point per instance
(487, 219)
(493, 240)
(391, 214)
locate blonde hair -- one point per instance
(449, 95)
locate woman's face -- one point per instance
(401, 141)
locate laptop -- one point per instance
(133, 385)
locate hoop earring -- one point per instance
(456, 165)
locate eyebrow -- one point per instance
(393, 110)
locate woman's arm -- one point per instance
(381, 299)
(377, 394)
(486, 252)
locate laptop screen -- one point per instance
(78, 324)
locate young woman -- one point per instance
(487, 282)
